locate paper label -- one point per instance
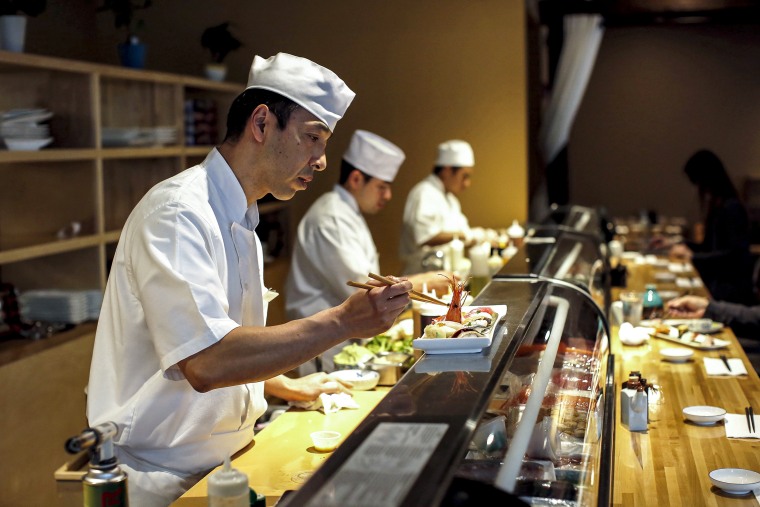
(383, 468)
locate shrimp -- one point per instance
(458, 296)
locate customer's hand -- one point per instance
(681, 252)
(306, 388)
(690, 307)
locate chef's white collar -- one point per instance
(346, 196)
(436, 181)
(234, 203)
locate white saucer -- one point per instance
(736, 481)
(704, 415)
(676, 354)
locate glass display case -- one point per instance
(577, 218)
(529, 419)
(576, 257)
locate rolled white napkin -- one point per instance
(328, 403)
(715, 366)
(736, 426)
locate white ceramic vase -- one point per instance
(12, 33)
(216, 71)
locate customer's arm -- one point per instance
(743, 320)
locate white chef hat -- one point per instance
(313, 87)
(455, 153)
(374, 155)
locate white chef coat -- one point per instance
(429, 210)
(333, 245)
(187, 271)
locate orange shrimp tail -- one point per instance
(458, 296)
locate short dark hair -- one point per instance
(246, 102)
(346, 168)
(437, 169)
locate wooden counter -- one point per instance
(669, 464)
(281, 456)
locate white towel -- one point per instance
(736, 426)
(328, 403)
(716, 366)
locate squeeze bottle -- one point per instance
(228, 487)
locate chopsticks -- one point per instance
(750, 419)
(413, 294)
(423, 297)
(725, 361)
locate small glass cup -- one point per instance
(633, 307)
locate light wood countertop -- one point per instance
(281, 456)
(670, 462)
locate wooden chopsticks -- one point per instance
(413, 294)
(750, 413)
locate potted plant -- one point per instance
(220, 42)
(132, 50)
(13, 15)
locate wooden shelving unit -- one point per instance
(76, 179)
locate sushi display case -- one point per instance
(576, 257)
(583, 219)
(527, 420)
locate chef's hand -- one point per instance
(306, 388)
(371, 312)
(437, 281)
(690, 307)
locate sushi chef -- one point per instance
(182, 355)
(432, 214)
(334, 243)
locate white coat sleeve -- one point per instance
(426, 216)
(175, 275)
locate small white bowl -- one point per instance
(676, 354)
(16, 144)
(325, 441)
(702, 414)
(359, 380)
(736, 481)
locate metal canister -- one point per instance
(105, 485)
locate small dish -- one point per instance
(667, 295)
(703, 414)
(665, 276)
(359, 380)
(676, 354)
(325, 441)
(17, 144)
(735, 481)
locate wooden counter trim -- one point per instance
(17, 349)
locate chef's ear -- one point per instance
(355, 178)
(258, 121)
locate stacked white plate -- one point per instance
(23, 129)
(65, 306)
(136, 136)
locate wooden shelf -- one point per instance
(75, 180)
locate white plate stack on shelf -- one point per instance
(60, 306)
(137, 136)
(24, 130)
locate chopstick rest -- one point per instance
(736, 427)
(716, 366)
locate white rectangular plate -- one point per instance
(461, 345)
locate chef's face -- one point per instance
(295, 152)
(457, 181)
(373, 195)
